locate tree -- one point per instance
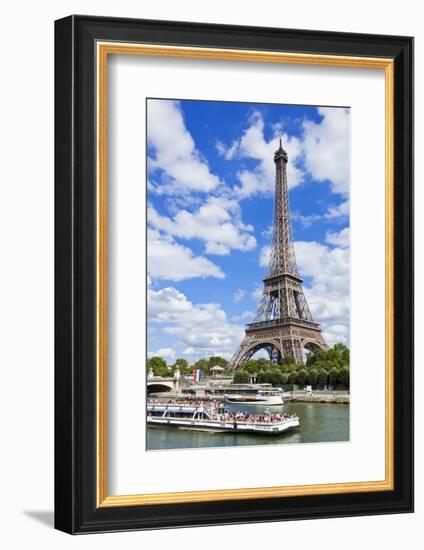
(313, 377)
(182, 365)
(284, 378)
(322, 377)
(334, 375)
(293, 377)
(251, 366)
(288, 367)
(337, 356)
(216, 360)
(313, 358)
(202, 364)
(263, 364)
(241, 377)
(343, 353)
(158, 366)
(302, 375)
(321, 365)
(288, 360)
(344, 376)
(275, 377)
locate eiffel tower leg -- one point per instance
(275, 355)
(293, 348)
(298, 355)
(241, 356)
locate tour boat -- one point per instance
(214, 419)
(262, 397)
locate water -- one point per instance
(319, 422)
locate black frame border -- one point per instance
(75, 274)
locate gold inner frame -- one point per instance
(104, 49)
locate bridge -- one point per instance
(157, 384)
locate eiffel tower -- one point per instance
(283, 325)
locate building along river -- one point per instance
(319, 422)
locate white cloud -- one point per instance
(227, 152)
(239, 294)
(257, 293)
(339, 211)
(199, 328)
(265, 256)
(174, 262)
(305, 221)
(175, 151)
(218, 223)
(165, 303)
(244, 315)
(326, 148)
(166, 353)
(253, 145)
(333, 214)
(338, 239)
(328, 293)
(336, 333)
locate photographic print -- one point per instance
(218, 192)
(248, 274)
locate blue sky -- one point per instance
(210, 207)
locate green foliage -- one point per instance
(202, 364)
(254, 366)
(322, 367)
(322, 377)
(344, 376)
(288, 367)
(216, 360)
(312, 377)
(241, 377)
(158, 366)
(309, 359)
(336, 357)
(275, 377)
(293, 377)
(272, 376)
(183, 366)
(207, 364)
(302, 376)
(343, 352)
(263, 364)
(333, 375)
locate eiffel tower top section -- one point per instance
(282, 257)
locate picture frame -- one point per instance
(82, 47)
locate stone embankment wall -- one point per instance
(318, 397)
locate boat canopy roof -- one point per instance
(175, 408)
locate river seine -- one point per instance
(319, 422)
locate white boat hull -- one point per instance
(271, 400)
(263, 428)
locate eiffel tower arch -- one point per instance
(283, 325)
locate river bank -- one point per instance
(319, 396)
(301, 396)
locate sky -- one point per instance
(210, 191)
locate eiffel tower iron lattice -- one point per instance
(283, 325)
